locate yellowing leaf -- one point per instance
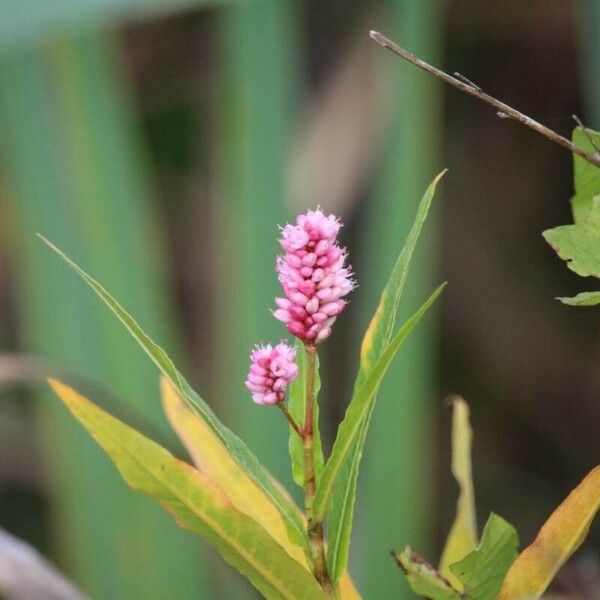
(561, 535)
(462, 538)
(347, 591)
(213, 459)
(195, 502)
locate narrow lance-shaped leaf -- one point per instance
(462, 538)
(195, 502)
(297, 407)
(381, 327)
(246, 460)
(482, 571)
(214, 461)
(561, 535)
(423, 578)
(375, 340)
(360, 406)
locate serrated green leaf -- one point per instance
(582, 299)
(423, 578)
(246, 460)
(462, 538)
(579, 244)
(195, 502)
(565, 530)
(585, 175)
(375, 340)
(362, 402)
(482, 571)
(296, 407)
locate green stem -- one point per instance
(315, 528)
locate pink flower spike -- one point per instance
(314, 276)
(271, 370)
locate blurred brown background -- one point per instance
(168, 142)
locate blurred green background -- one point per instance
(159, 143)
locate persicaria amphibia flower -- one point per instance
(271, 370)
(314, 276)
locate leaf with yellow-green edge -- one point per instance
(214, 461)
(346, 588)
(297, 406)
(241, 453)
(195, 502)
(375, 340)
(560, 536)
(350, 428)
(423, 578)
(462, 538)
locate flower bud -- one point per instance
(271, 370)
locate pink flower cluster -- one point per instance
(314, 276)
(271, 370)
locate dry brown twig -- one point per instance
(503, 110)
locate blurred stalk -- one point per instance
(76, 172)
(255, 105)
(589, 43)
(395, 489)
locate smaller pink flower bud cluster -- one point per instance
(271, 370)
(313, 275)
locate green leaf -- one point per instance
(462, 538)
(586, 176)
(296, 407)
(582, 299)
(579, 244)
(195, 502)
(362, 402)
(483, 570)
(381, 327)
(375, 341)
(565, 530)
(423, 578)
(247, 461)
